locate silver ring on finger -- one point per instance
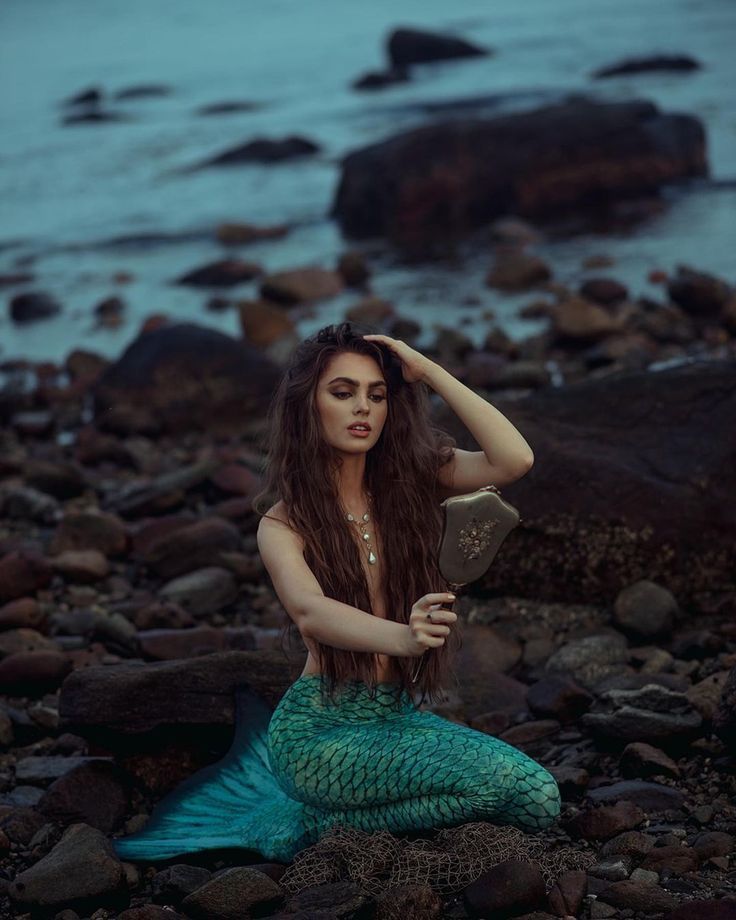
(429, 616)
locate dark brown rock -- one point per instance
(506, 889)
(440, 181)
(667, 62)
(517, 270)
(224, 273)
(26, 308)
(605, 821)
(417, 46)
(566, 895)
(710, 909)
(264, 150)
(697, 293)
(59, 478)
(135, 698)
(606, 291)
(301, 285)
(233, 893)
(22, 572)
(645, 609)
(233, 383)
(23, 612)
(105, 533)
(637, 513)
(640, 759)
(96, 793)
(640, 896)
(724, 721)
(558, 697)
(192, 547)
(80, 872)
(33, 673)
(264, 323)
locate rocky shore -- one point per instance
(133, 601)
(602, 642)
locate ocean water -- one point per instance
(67, 191)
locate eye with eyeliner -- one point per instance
(376, 397)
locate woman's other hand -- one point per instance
(425, 633)
(414, 366)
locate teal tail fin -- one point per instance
(235, 802)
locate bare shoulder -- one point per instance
(274, 525)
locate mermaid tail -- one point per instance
(234, 802)
(371, 762)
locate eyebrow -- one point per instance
(356, 383)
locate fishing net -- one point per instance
(448, 862)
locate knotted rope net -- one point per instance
(448, 862)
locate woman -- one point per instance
(351, 548)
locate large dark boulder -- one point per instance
(634, 477)
(448, 178)
(415, 46)
(185, 377)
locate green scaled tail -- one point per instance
(234, 802)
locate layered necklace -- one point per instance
(362, 524)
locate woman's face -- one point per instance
(351, 401)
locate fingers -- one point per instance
(442, 597)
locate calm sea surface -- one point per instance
(66, 190)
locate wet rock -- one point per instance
(612, 868)
(580, 320)
(32, 306)
(675, 858)
(353, 268)
(22, 572)
(21, 824)
(301, 285)
(195, 546)
(23, 612)
(652, 712)
(264, 323)
(706, 694)
(228, 108)
(59, 478)
(131, 699)
(709, 909)
(667, 62)
(590, 659)
(417, 46)
(517, 270)
(371, 311)
(713, 843)
(109, 312)
(93, 115)
(24, 640)
(175, 882)
(95, 792)
(513, 231)
(640, 896)
(168, 644)
(224, 273)
(33, 673)
(445, 179)
(697, 293)
(632, 843)
(410, 901)
(606, 821)
(233, 384)
(80, 872)
(724, 720)
(649, 796)
(508, 888)
(645, 609)
(378, 79)
(606, 291)
(640, 759)
(81, 565)
(143, 91)
(572, 781)
(203, 591)
(566, 895)
(235, 234)
(558, 697)
(643, 515)
(36, 424)
(232, 893)
(263, 150)
(105, 533)
(25, 503)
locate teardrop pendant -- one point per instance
(371, 558)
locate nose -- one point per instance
(361, 403)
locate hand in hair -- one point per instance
(414, 365)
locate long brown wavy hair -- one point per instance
(400, 475)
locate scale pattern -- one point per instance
(372, 763)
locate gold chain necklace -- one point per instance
(361, 523)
